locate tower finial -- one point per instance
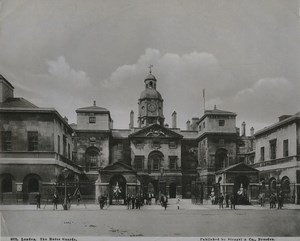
(150, 68)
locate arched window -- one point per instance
(92, 157)
(155, 160)
(272, 185)
(7, 184)
(33, 185)
(285, 185)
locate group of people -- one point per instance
(220, 200)
(134, 202)
(276, 198)
(56, 200)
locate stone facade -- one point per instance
(210, 156)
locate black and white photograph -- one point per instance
(150, 120)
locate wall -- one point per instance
(212, 124)
(286, 132)
(20, 124)
(102, 121)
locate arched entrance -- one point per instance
(172, 190)
(117, 190)
(221, 159)
(241, 185)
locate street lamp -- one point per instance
(66, 174)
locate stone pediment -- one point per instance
(155, 131)
(117, 166)
(240, 167)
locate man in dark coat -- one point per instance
(232, 201)
(221, 200)
(38, 200)
(227, 200)
(55, 201)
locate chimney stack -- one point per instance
(243, 132)
(195, 121)
(174, 120)
(94, 103)
(131, 125)
(188, 125)
(252, 131)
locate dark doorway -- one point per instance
(172, 190)
(117, 190)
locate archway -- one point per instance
(241, 184)
(221, 159)
(117, 190)
(172, 190)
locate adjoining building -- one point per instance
(210, 156)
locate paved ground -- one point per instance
(190, 220)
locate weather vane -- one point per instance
(150, 68)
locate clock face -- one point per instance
(152, 107)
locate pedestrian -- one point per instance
(69, 200)
(156, 199)
(272, 200)
(227, 200)
(232, 201)
(78, 197)
(178, 203)
(280, 200)
(128, 200)
(262, 199)
(55, 201)
(221, 199)
(132, 202)
(165, 201)
(38, 197)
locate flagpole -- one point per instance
(203, 100)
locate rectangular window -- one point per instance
(58, 144)
(286, 148)
(221, 122)
(64, 145)
(155, 164)
(172, 144)
(203, 125)
(32, 140)
(262, 153)
(69, 151)
(173, 162)
(6, 140)
(92, 119)
(139, 160)
(273, 149)
(200, 127)
(221, 141)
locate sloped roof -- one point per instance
(93, 108)
(17, 103)
(217, 111)
(156, 130)
(239, 167)
(6, 81)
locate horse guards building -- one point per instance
(40, 152)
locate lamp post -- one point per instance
(66, 174)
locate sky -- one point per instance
(67, 53)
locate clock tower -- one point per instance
(150, 104)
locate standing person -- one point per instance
(55, 201)
(69, 200)
(128, 200)
(280, 200)
(78, 197)
(132, 202)
(38, 200)
(227, 200)
(221, 199)
(165, 202)
(178, 203)
(232, 201)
